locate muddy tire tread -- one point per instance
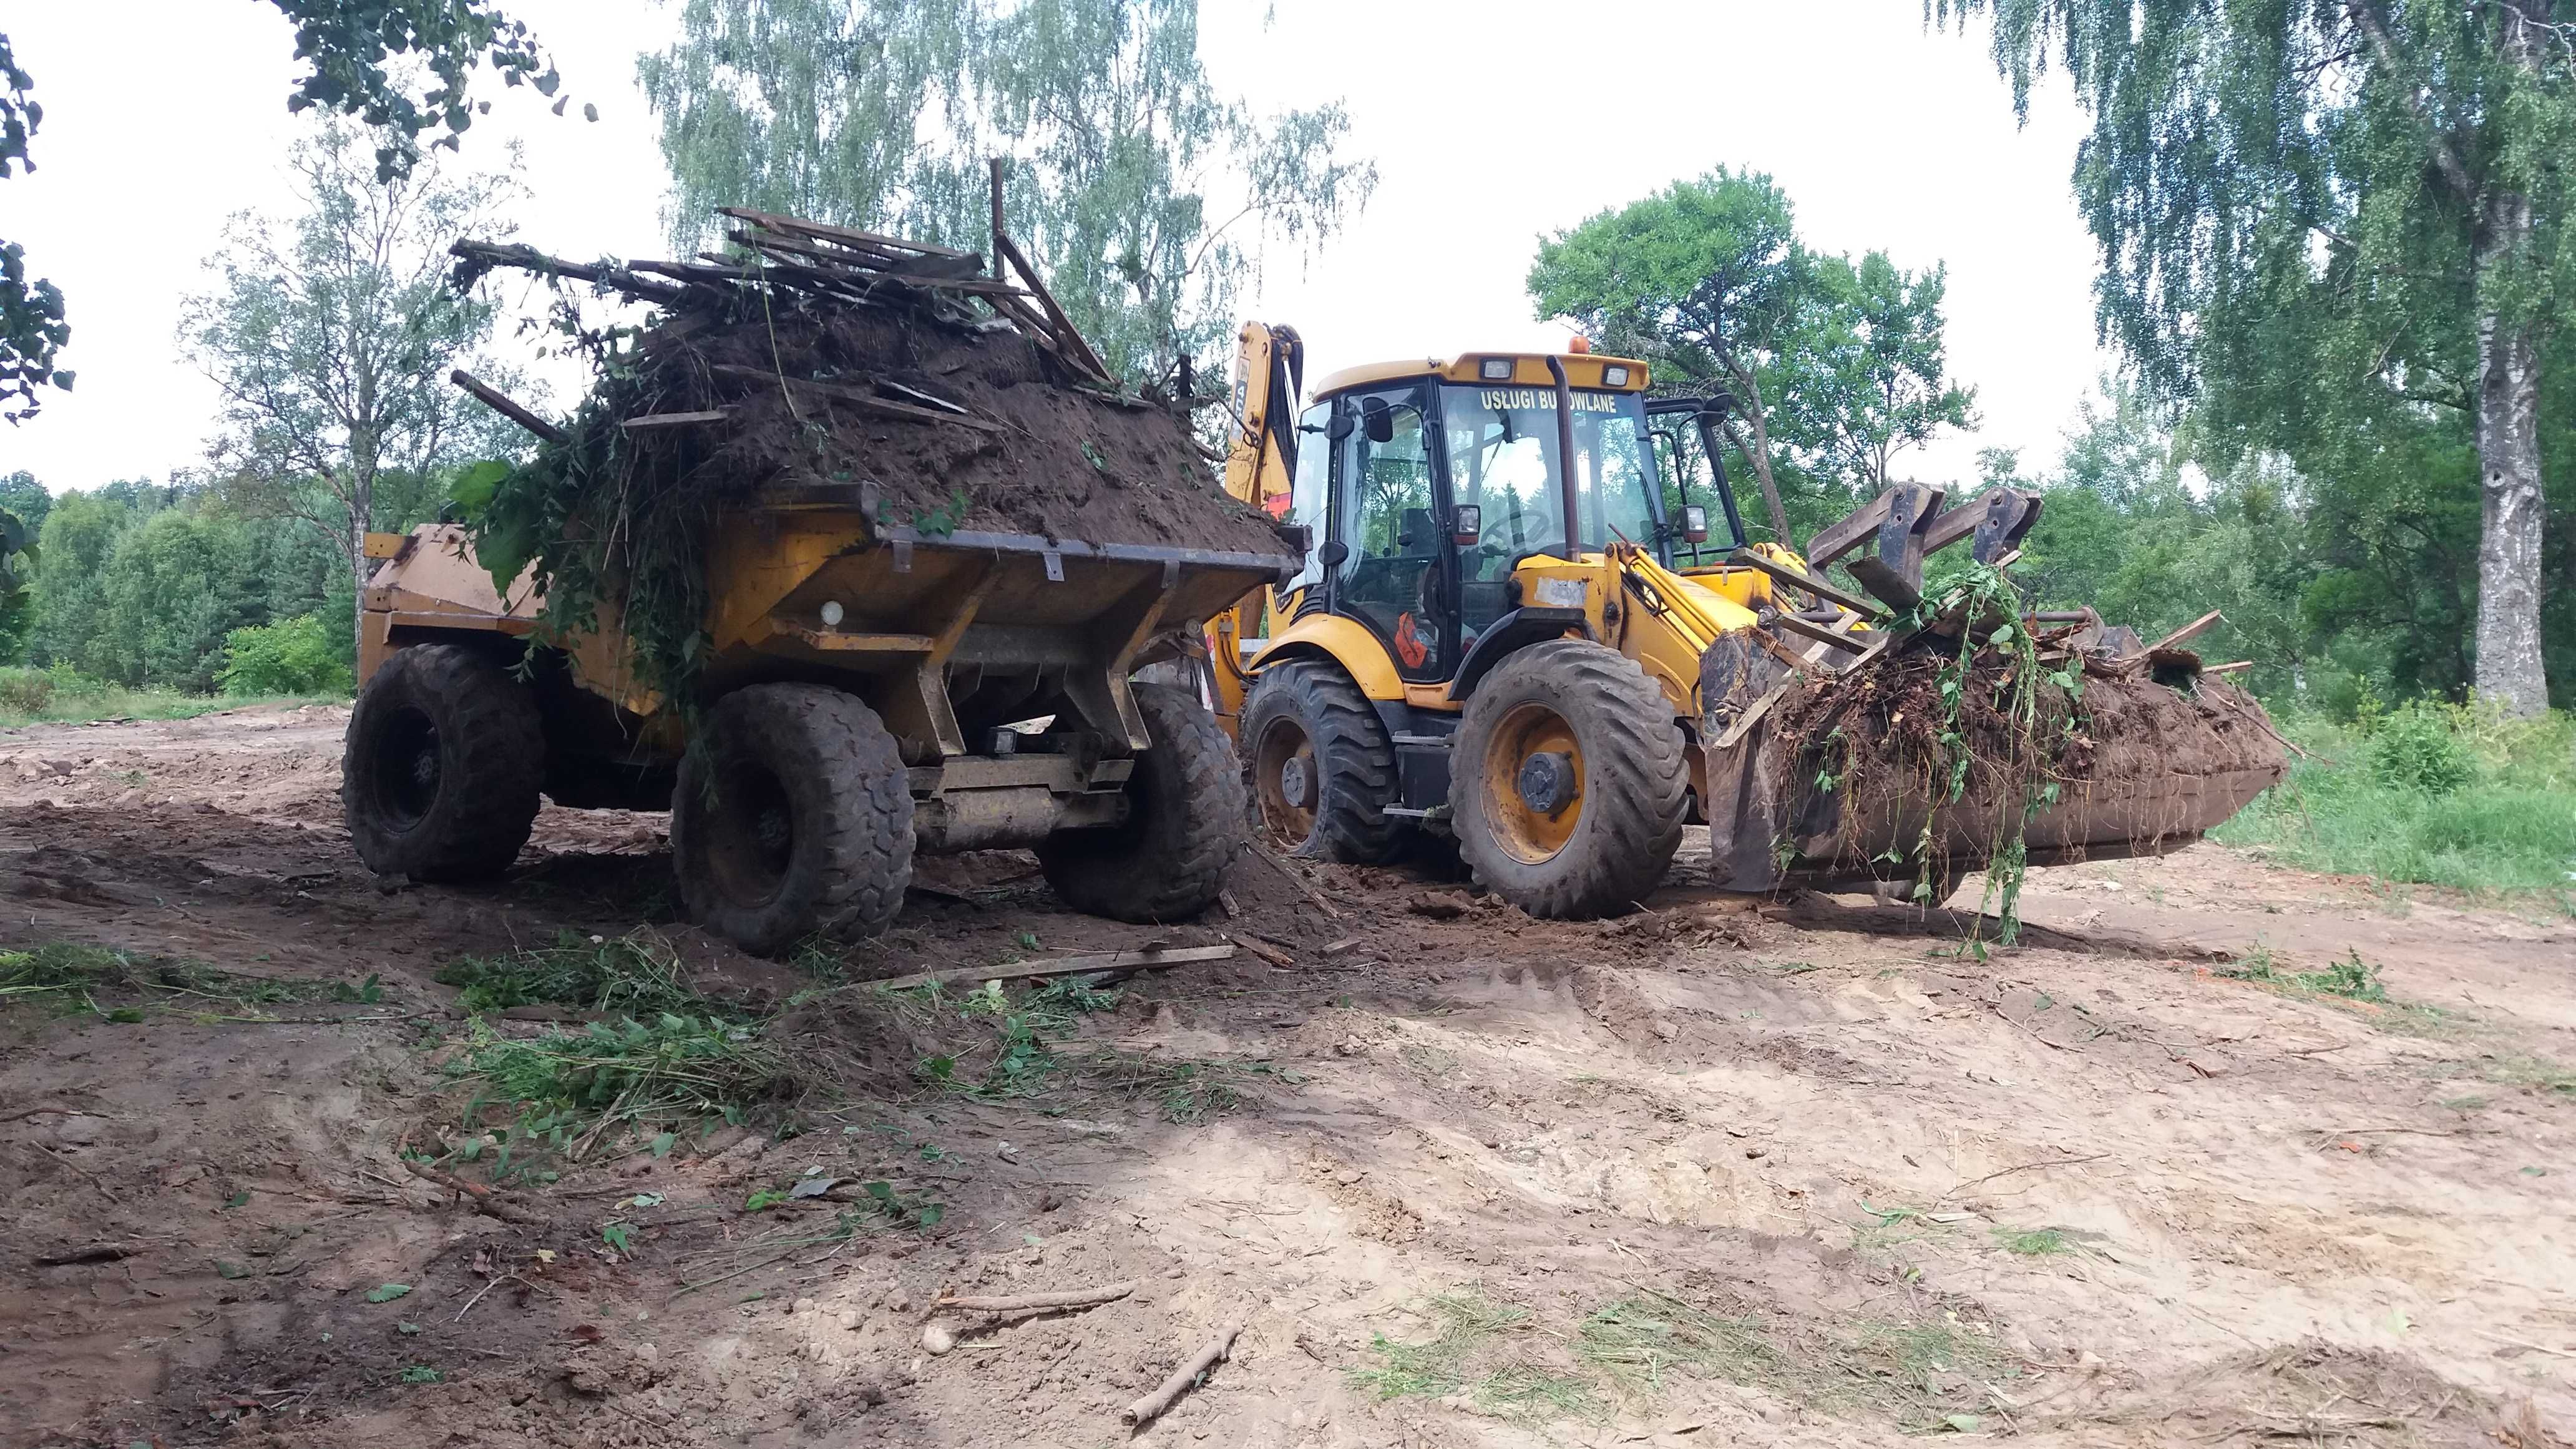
(858, 829)
(1636, 794)
(492, 747)
(1358, 760)
(1168, 862)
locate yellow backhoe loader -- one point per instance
(1528, 619)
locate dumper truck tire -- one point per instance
(807, 829)
(445, 756)
(1322, 767)
(1568, 786)
(1185, 822)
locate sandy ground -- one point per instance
(1724, 1173)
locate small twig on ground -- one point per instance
(487, 1287)
(1145, 1410)
(41, 1111)
(2009, 1171)
(1023, 1302)
(483, 1198)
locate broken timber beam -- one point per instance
(494, 399)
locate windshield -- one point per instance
(1502, 458)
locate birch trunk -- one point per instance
(2508, 634)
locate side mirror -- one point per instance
(1466, 524)
(1718, 402)
(1336, 554)
(1379, 418)
(1340, 427)
(1694, 524)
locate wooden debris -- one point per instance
(2230, 668)
(500, 403)
(1145, 1410)
(1798, 578)
(654, 421)
(484, 1199)
(1152, 959)
(1265, 950)
(1038, 1302)
(861, 398)
(2175, 639)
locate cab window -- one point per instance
(1392, 578)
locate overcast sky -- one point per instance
(1490, 124)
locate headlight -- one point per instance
(1614, 376)
(1495, 369)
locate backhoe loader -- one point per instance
(1529, 619)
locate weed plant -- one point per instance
(2438, 795)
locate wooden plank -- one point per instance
(651, 422)
(1147, 960)
(2186, 631)
(1065, 332)
(800, 226)
(1801, 579)
(1813, 630)
(494, 399)
(2227, 668)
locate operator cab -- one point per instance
(1426, 483)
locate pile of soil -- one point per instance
(1064, 461)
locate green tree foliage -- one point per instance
(331, 335)
(355, 52)
(32, 330)
(2343, 230)
(294, 656)
(1836, 366)
(1144, 195)
(139, 585)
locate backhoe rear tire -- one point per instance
(444, 759)
(1568, 784)
(807, 829)
(1185, 822)
(1323, 769)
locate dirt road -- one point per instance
(1797, 1172)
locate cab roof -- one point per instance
(1529, 369)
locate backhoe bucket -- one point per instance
(1856, 779)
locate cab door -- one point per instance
(1397, 571)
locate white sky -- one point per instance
(1490, 124)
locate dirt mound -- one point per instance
(1029, 455)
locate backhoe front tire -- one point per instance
(1568, 783)
(807, 829)
(1185, 822)
(440, 773)
(1323, 769)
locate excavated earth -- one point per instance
(1794, 1171)
(1030, 455)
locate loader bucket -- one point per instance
(1847, 780)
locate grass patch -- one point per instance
(639, 972)
(2032, 1242)
(2440, 796)
(1470, 1355)
(1924, 1375)
(572, 1089)
(1638, 1342)
(2351, 979)
(71, 976)
(57, 696)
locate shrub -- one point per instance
(2416, 749)
(294, 657)
(25, 691)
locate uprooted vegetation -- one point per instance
(128, 986)
(1940, 754)
(821, 358)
